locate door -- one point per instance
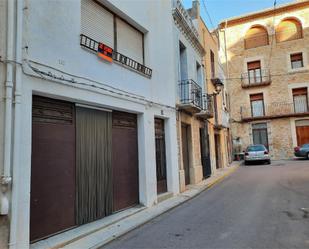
(302, 131)
(185, 152)
(160, 156)
(217, 150)
(259, 133)
(125, 160)
(52, 197)
(93, 164)
(205, 153)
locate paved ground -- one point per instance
(256, 207)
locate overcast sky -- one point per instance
(223, 9)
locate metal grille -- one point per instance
(92, 45)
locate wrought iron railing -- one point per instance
(207, 103)
(92, 45)
(190, 93)
(255, 77)
(274, 110)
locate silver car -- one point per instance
(255, 153)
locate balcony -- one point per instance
(256, 78)
(190, 96)
(207, 107)
(274, 111)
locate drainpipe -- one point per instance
(6, 174)
(17, 123)
(226, 60)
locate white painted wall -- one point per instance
(51, 35)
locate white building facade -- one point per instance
(88, 117)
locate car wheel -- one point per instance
(308, 155)
(268, 162)
(246, 163)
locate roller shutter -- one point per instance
(129, 41)
(97, 22)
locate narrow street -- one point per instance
(258, 206)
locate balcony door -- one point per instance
(257, 105)
(300, 99)
(254, 72)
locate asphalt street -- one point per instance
(258, 206)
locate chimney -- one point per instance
(195, 10)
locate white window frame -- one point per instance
(305, 61)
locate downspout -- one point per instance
(6, 174)
(225, 50)
(17, 123)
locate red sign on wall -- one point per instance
(105, 52)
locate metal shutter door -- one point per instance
(97, 23)
(129, 41)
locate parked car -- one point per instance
(257, 153)
(302, 151)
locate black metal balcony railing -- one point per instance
(190, 93)
(207, 103)
(92, 45)
(255, 78)
(274, 110)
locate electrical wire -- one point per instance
(113, 90)
(207, 13)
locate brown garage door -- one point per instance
(125, 161)
(302, 135)
(53, 167)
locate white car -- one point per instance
(255, 153)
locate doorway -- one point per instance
(160, 156)
(185, 151)
(217, 151)
(205, 153)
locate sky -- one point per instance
(222, 9)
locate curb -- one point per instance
(187, 198)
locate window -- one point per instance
(183, 62)
(297, 60)
(254, 72)
(289, 29)
(199, 76)
(259, 134)
(257, 105)
(256, 36)
(97, 23)
(212, 61)
(103, 26)
(300, 99)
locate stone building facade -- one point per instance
(268, 77)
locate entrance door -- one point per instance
(125, 161)
(52, 200)
(185, 152)
(259, 133)
(160, 156)
(218, 151)
(302, 132)
(205, 153)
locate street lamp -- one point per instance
(218, 84)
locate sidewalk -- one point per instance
(99, 233)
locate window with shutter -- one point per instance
(288, 29)
(257, 105)
(297, 60)
(256, 36)
(300, 100)
(97, 23)
(254, 72)
(129, 41)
